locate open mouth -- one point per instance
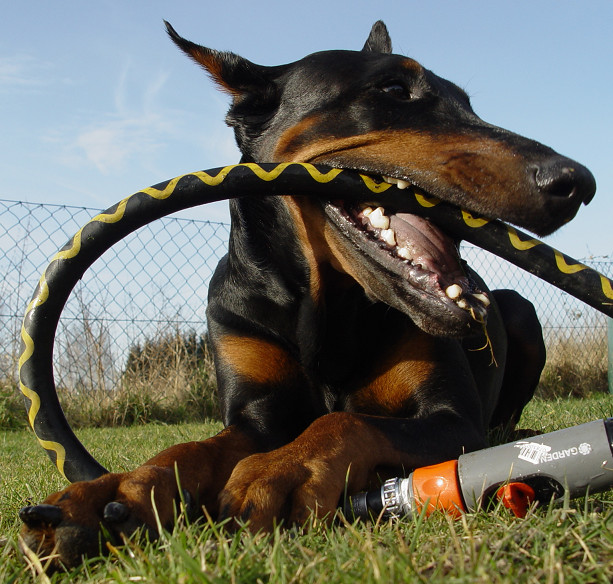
(417, 251)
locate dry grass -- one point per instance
(575, 368)
(171, 379)
(12, 415)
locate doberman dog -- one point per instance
(345, 337)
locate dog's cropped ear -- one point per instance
(379, 40)
(232, 73)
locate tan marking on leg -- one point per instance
(256, 360)
(404, 370)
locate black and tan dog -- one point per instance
(345, 337)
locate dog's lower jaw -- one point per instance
(440, 319)
(448, 304)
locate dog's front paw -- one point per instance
(281, 486)
(77, 521)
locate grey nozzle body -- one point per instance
(576, 460)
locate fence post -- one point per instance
(610, 343)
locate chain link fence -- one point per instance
(153, 284)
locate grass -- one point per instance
(170, 379)
(572, 542)
(566, 375)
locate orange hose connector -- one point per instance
(437, 486)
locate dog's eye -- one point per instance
(397, 90)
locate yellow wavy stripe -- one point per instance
(268, 175)
(373, 186)
(117, 215)
(111, 217)
(34, 405)
(167, 191)
(60, 451)
(74, 249)
(114, 217)
(38, 300)
(518, 243)
(321, 176)
(426, 201)
(607, 290)
(474, 221)
(265, 175)
(27, 352)
(564, 267)
(41, 297)
(205, 177)
(29, 393)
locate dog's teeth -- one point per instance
(462, 303)
(388, 236)
(404, 253)
(366, 211)
(401, 184)
(482, 298)
(454, 291)
(378, 219)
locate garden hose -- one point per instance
(42, 315)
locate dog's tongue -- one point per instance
(428, 246)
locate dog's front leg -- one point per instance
(70, 524)
(337, 455)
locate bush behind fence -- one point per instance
(153, 285)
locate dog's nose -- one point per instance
(565, 178)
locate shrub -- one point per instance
(574, 368)
(170, 378)
(167, 379)
(178, 369)
(12, 411)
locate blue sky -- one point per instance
(96, 102)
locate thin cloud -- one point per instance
(111, 146)
(131, 134)
(139, 132)
(21, 71)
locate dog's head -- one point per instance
(388, 116)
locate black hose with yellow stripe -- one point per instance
(104, 230)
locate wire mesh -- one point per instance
(151, 284)
(154, 283)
